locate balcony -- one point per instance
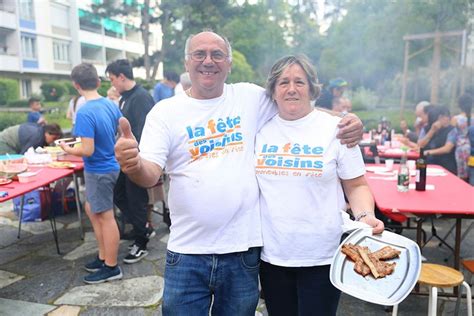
(9, 63)
(8, 20)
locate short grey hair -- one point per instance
(226, 41)
(280, 65)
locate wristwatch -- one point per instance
(344, 113)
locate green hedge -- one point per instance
(9, 90)
(53, 90)
(70, 88)
(104, 86)
(10, 119)
(23, 103)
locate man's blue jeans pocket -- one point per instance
(172, 258)
(251, 258)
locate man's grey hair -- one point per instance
(421, 105)
(279, 67)
(226, 41)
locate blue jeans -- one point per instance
(192, 280)
(299, 291)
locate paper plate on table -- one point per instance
(68, 141)
(5, 181)
(377, 169)
(435, 172)
(389, 290)
(62, 165)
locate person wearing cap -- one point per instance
(335, 88)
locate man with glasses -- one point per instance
(205, 139)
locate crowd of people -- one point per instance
(258, 176)
(444, 139)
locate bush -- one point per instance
(363, 99)
(53, 90)
(10, 119)
(104, 86)
(70, 90)
(23, 103)
(372, 118)
(148, 85)
(9, 90)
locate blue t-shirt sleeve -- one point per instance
(84, 125)
(33, 117)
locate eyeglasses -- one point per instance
(217, 56)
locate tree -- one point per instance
(241, 70)
(366, 45)
(147, 13)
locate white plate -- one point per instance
(377, 169)
(390, 290)
(435, 172)
(68, 141)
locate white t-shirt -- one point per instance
(299, 164)
(207, 147)
(73, 110)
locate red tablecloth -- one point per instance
(44, 177)
(450, 196)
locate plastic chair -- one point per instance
(439, 276)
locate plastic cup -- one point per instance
(411, 164)
(389, 164)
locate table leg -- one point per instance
(22, 203)
(457, 244)
(457, 248)
(419, 232)
(78, 204)
(52, 221)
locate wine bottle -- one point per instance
(420, 184)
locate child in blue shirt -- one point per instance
(96, 124)
(35, 116)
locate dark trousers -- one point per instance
(132, 200)
(293, 291)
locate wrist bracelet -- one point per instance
(362, 215)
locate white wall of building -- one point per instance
(59, 42)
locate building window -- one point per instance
(25, 88)
(26, 10)
(61, 16)
(61, 51)
(28, 46)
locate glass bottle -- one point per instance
(403, 179)
(421, 172)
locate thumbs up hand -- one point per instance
(126, 148)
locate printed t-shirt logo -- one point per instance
(290, 160)
(218, 137)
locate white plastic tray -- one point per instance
(389, 290)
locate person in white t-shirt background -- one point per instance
(301, 179)
(206, 139)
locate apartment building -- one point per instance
(44, 39)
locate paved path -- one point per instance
(35, 280)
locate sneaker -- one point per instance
(104, 274)
(136, 254)
(150, 233)
(94, 265)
